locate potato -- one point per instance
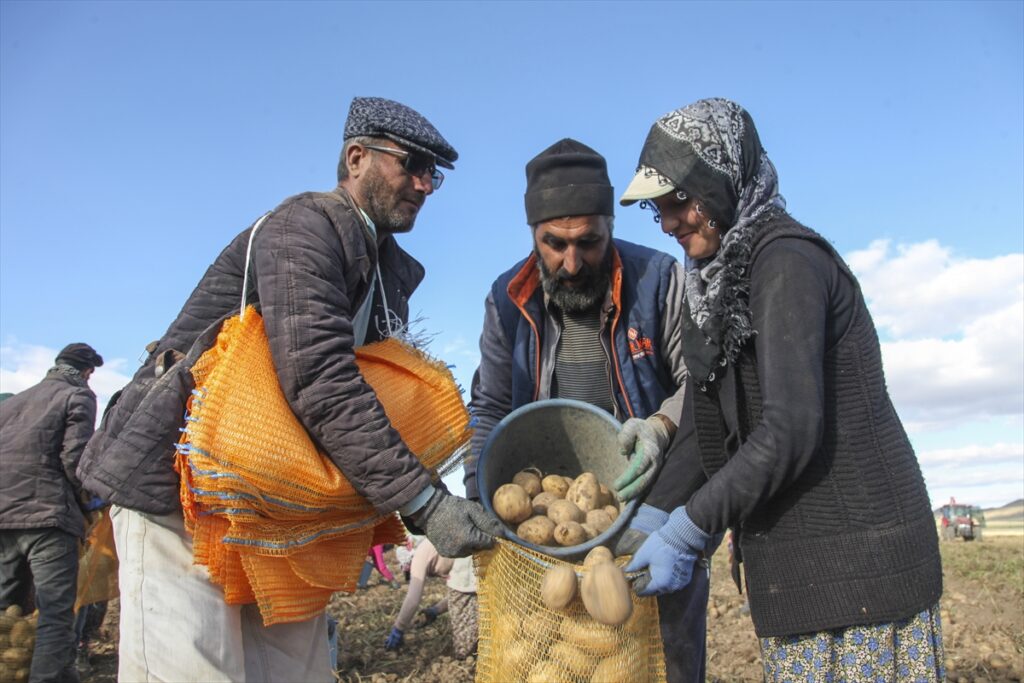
(620, 669)
(598, 554)
(555, 484)
(604, 496)
(595, 638)
(589, 530)
(570, 533)
(16, 656)
(544, 671)
(605, 594)
(529, 479)
(13, 611)
(7, 622)
(516, 657)
(612, 511)
(558, 587)
(20, 632)
(538, 530)
(541, 502)
(599, 519)
(512, 504)
(563, 511)
(21, 675)
(568, 481)
(584, 492)
(571, 658)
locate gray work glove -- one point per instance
(457, 527)
(644, 443)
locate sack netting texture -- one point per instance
(523, 640)
(272, 518)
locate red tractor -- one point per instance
(961, 521)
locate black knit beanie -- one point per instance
(80, 356)
(567, 179)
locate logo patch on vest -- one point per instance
(639, 346)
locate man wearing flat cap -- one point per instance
(43, 431)
(328, 275)
(597, 319)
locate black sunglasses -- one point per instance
(414, 163)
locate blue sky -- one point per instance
(137, 138)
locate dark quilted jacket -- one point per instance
(312, 264)
(43, 431)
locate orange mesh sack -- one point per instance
(522, 640)
(272, 518)
(97, 566)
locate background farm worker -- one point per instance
(43, 431)
(600, 320)
(805, 456)
(375, 560)
(426, 562)
(404, 553)
(328, 275)
(462, 607)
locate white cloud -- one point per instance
(924, 291)
(953, 330)
(25, 365)
(953, 349)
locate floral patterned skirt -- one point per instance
(904, 651)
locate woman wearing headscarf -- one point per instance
(803, 453)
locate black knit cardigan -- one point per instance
(818, 479)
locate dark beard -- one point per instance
(384, 207)
(586, 296)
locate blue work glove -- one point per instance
(429, 615)
(95, 503)
(645, 522)
(668, 555)
(394, 640)
(644, 443)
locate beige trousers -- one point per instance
(175, 625)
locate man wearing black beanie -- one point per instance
(595, 319)
(43, 431)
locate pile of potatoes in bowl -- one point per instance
(555, 510)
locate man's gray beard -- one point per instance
(382, 206)
(581, 299)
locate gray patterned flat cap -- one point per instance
(378, 117)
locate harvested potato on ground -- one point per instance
(612, 510)
(562, 511)
(570, 533)
(558, 587)
(590, 530)
(20, 632)
(599, 519)
(512, 504)
(555, 484)
(16, 656)
(584, 492)
(538, 530)
(571, 658)
(541, 502)
(605, 593)
(529, 479)
(598, 554)
(595, 638)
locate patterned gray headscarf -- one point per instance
(710, 149)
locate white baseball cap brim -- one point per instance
(646, 184)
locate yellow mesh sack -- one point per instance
(522, 640)
(272, 518)
(97, 565)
